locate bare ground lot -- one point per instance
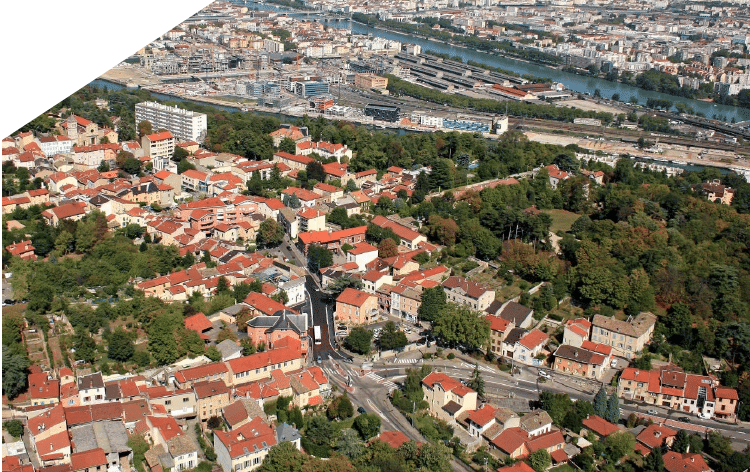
(588, 105)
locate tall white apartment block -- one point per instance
(185, 125)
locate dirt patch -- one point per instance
(589, 105)
(57, 357)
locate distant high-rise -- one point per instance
(185, 125)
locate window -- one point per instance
(168, 402)
(185, 400)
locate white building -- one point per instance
(51, 145)
(185, 125)
(160, 147)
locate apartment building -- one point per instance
(466, 292)
(160, 148)
(356, 307)
(184, 124)
(212, 397)
(627, 338)
(447, 397)
(244, 448)
(670, 387)
(179, 403)
(405, 302)
(91, 389)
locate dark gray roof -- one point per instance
(514, 336)
(228, 348)
(286, 432)
(234, 309)
(575, 354)
(515, 312)
(112, 392)
(451, 407)
(494, 307)
(90, 381)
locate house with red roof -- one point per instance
(517, 467)
(355, 306)
(654, 436)
(171, 440)
(447, 397)
(576, 332)
(328, 193)
(294, 161)
(287, 356)
(12, 463)
(670, 387)
(43, 389)
(499, 329)
(393, 438)
(244, 448)
(516, 443)
(578, 361)
(335, 171)
(362, 254)
(200, 324)
(556, 175)
(296, 134)
(688, 462)
(410, 239)
(73, 211)
(22, 249)
(332, 240)
(93, 460)
(324, 149)
(467, 292)
(599, 426)
(213, 396)
(529, 347)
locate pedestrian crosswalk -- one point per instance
(481, 367)
(406, 361)
(381, 380)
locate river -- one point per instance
(574, 82)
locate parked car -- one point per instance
(684, 419)
(704, 416)
(613, 364)
(651, 411)
(545, 375)
(320, 359)
(361, 410)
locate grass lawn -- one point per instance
(343, 424)
(562, 220)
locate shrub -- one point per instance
(469, 266)
(451, 356)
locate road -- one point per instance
(525, 386)
(371, 390)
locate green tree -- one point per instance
(315, 171)
(284, 457)
(459, 324)
(15, 375)
(540, 460)
(161, 339)
(654, 462)
(64, 243)
(85, 346)
(359, 340)
(351, 186)
(368, 425)
(223, 287)
(320, 431)
(433, 301)
(556, 404)
(340, 408)
(600, 403)
(270, 234)
(213, 353)
(441, 177)
(103, 166)
(681, 442)
(288, 145)
(477, 382)
(619, 445)
(350, 444)
(120, 346)
(14, 428)
(613, 409)
(391, 338)
(318, 257)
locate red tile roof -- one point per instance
(655, 435)
(533, 339)
(483, 415)
(352, 296)
(255, 435)
(447, 383)
(166, 425)
(201, 372)
(510, 440)
(198, 322)
(86, 459)
(267, 358)
(207, 389)
(52, 444)
(676, 462)
(264, 304)
(599, 425)
(393, 438)
(160, 136)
